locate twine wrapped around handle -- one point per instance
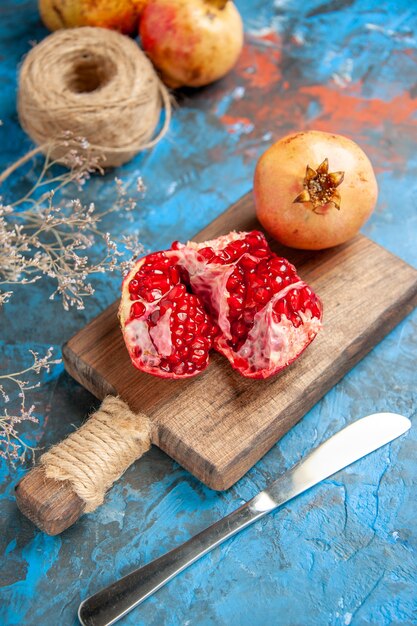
(73, 476)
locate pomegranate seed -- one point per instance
(207, 253)
(248, 263)
(296, 320)
(235, 306)
(235, 301)
(152, 258)
(276, 262)
(164, 365)
(262, 295)
(239, 329)
(133, 285)
(224, 256)
(174, 275)
(153, 295)
(234, 313)
(188, 337)
(161, 283)
(179, 369)
(179, 330)
(276, 283)
(198, 358)
(240, 245)
(178, 291)
(281, 307)
(240, 363)
(255, 238)
(255, 281)
(315, 310)
(146, 296)
(276, 316)
(293, 299)
(176, 245)
(206, 329)
(232, 283)
(262, 253)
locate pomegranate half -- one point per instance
(232, 294)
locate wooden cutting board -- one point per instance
(218, 424)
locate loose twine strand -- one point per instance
(94, 83)
(97, 454)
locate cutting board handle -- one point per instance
(73, 476)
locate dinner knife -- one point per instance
(345, 447)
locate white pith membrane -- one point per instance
(209, 280)
(210, 287)
(272, 345)
(155, 342)
(137, 334)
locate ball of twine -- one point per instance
(92, 83)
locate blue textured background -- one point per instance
(344, 553)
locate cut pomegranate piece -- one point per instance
(166, 329)
(232, 293)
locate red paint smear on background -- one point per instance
(272, 105)
(232, 122)
(260, 65)
(365, 112)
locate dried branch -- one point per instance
(12, 447)
(44, 234)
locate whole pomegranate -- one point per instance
(121, 15)
(191, 42)
(231, 293)
(314, 190)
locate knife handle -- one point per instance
(73, 476)
(114, 601)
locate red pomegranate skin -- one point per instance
(191, 42)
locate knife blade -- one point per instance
(342, 449)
